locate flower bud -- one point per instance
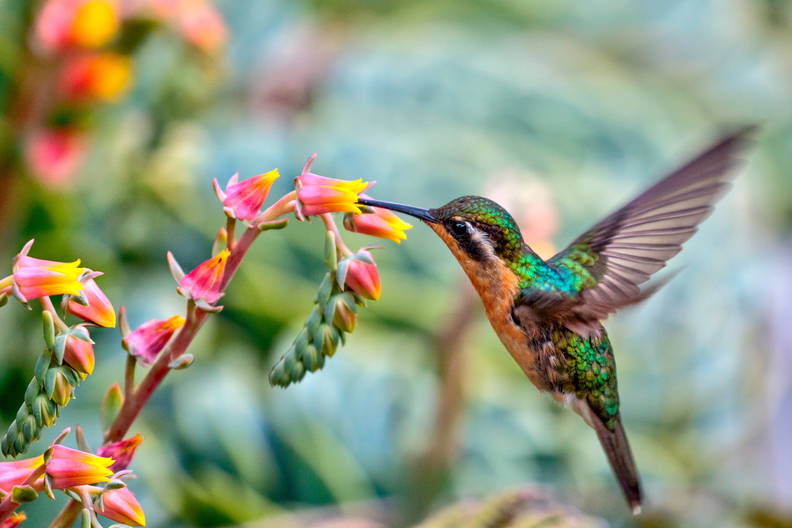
(99, 310)
(23, 494)
(58, 387)
(344, 316)
(122, 506)
(79, 355)
(363, 278)
(111, 404)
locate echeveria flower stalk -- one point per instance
(122, 452)
(69, 467)
(205, 282)
(243, 200)
(380, 223)
(148, 340)
(121, 505)
(99, 310)
(318, 194)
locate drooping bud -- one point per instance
(362, 277)
(99, 310)
(58, 386)
(345, 316)
(122, 452)
(122, 506)
(79, 355)
(205, 281)
(148, 340)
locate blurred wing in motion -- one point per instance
(622, 251)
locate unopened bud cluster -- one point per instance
(334, 314)
(51, 388)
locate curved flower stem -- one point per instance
(331, 226)
(46, 304)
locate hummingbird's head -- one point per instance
(474, 228)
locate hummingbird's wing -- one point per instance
(622, 251)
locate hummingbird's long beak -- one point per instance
(417, 212)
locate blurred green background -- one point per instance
(567, 108)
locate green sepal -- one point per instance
(42, 364)
(341, 272)
(60, 348)
(329, 342)
(182, 362)
(3, 299)
(29, 428)
(362, 257)
(325, 290)
(330, 308)
(21, 414)
(32, 392)
(313, 322)
(313, 358)
(80, 332)
(330, 251)
(277, 375)
(24, 494)
(48, 327)
(274, 224)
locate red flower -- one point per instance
(79, 355)
(148, 340)
(99, 310)
(205, 281)
(122, 506)
(382, 223)
(363, 277)
(244, 199)
(122, 452)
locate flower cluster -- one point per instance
(91, 45)
(77, 472)
(69, 354)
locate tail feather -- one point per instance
(617, 448)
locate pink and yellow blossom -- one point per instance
(382, 223)
(69, 467)
(16, 472)
(121, 505)
(244, 199)
(35, 278)
(122, 452)
(79, 355)
(148, 340)
(64, 24)
(363, 278)
(54, 155)
(319, 194)
(99, 309)
(205, 282)
(96, 77)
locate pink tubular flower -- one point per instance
(99, 310)
(382, 223)
(363, 278)
(318, 194)
(69, 467)
(244, 199)
(205, 281)
(79, 355)
(55, 155)
(121, 505)
(148, 340)
(122, 452)
(14, 520)
(36, 278)
(15, 473)
(62, 24)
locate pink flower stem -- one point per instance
(331, 226)
(7, 506)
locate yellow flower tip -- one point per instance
(173, 323)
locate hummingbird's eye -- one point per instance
(459, 228)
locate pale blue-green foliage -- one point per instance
(435, 100)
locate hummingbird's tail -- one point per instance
(617, 448)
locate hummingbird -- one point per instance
(548, 313)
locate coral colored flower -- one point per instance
(15, 520)
(36, 278)
(363, 278)
(15, 473)
(79, 355)
(148, 340)
(205, 281)
(122, 452)
(121, 505)
(62, 24)
(244, 199)
(96, 77)
(69, 467)
(55, 155)
(319, 195)
(382, 223)
(99, 310)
